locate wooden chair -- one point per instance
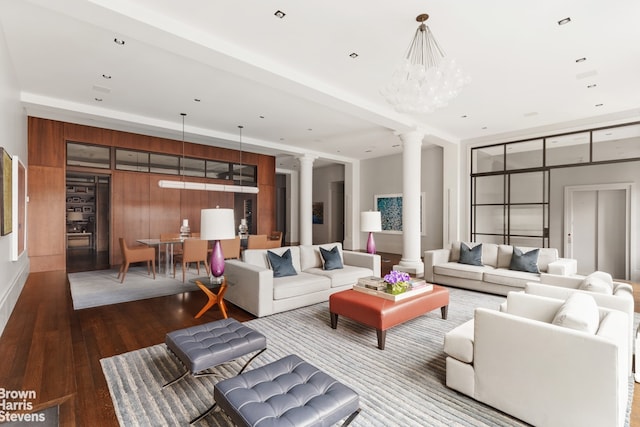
(138, 254)
(194, 250)
(274, 240)
(257, 241)
(231, 248)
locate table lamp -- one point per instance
(74, 217)
(217, 224)
(370, 221)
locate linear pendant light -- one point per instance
(189, 185)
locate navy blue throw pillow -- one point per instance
(524, 262)
(332, 260)
(471, 256)
(282, 266)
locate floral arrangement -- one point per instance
(397, 282)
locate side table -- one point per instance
(214, 298)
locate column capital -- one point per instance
(306, 158)
(412, 137)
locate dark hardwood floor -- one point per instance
(55, 350)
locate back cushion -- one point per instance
(259, 258)
(310, 255)
(545, 256)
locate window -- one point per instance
(128, 160)
(568, 149)
(93, 156)
(618, 143)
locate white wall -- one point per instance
(322, 179)
(13, 138)
(382, 176)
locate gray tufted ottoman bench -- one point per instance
(204, 346)
(287, 392)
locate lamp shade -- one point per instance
(75, 216)
(370, 221)
(217, 224)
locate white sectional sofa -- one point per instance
(252, 285)
(523, 363)
(441, 266)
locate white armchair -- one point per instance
(561, 287)
(544, 374)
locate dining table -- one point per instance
(168, 245)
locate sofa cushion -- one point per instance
(599, 282)
(579, 312)
(513, 278)
(470, 256)
(524, 261)
(348, 275)
(331, 260)
(281, 265)
(310, 255)
(300, 285)
(462, 271)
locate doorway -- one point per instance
(336, 232)
(87, 222)
(597, 228)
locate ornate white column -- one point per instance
(411, 261)
(306, 201)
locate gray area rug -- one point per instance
(403, 385)
(102, 287)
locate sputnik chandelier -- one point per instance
(426, 80)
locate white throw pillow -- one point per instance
(579, 312)
(599, 282)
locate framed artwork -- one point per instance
(317, 210)
(7, 193)
(390, 207)
(19, 238)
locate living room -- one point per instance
(366, 154)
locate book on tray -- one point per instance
(373, 282)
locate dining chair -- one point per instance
(136, 254)
(274, 240)
(193, 250)
(257, 241)
(231, 248)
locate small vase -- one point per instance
(397, 288)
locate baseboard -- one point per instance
(10, 298)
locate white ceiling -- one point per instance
(243, 62)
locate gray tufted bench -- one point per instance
(204, 346)
(287, 392)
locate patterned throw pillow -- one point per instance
(471, 256)
(282, 266)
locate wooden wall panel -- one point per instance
(139, 208)
(131, 212)
(46, 146)
(46, 216)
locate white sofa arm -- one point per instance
(250, 287)
(549, 375)
(563, 267)
(364, 260)
(432, 258)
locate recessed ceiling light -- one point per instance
(599, 105)
(98, 99)
(464, 116)
(197, 99)
(367, 151)
(395, 145)
(281, 139)
(309, 129)
(118, 41)
(581, 59)
(262, 117)
(531, 114)
(106, 76)
(280, 14)
(591, 86)
(353, 55)
(484, 127)
(564, 21)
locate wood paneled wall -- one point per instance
(139, 208)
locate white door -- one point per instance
(597, 224)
